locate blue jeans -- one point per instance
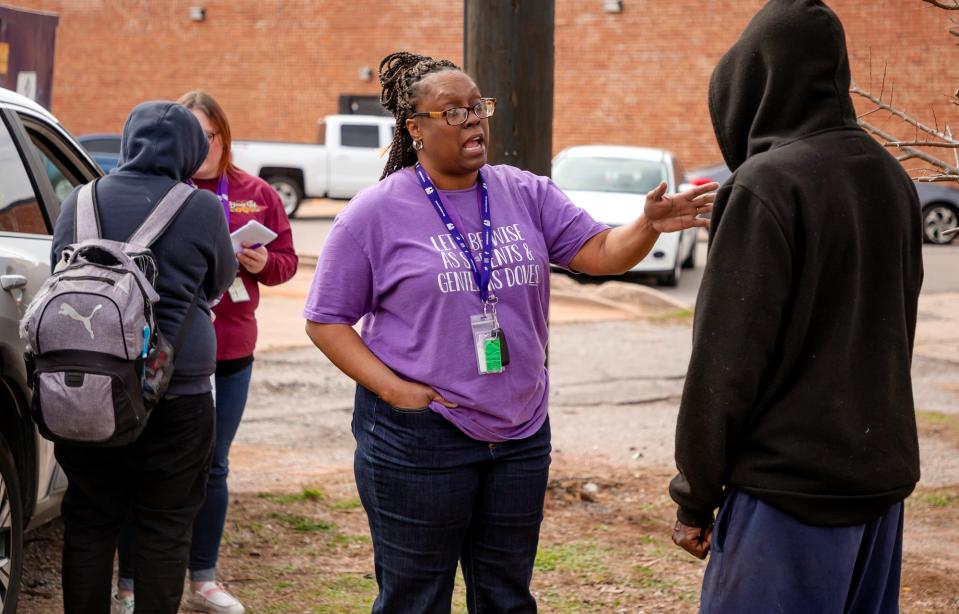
(435, 497)
(231, 394)
(764, 560)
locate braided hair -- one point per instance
(400, 73)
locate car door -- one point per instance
(355, 162)
(39, 165)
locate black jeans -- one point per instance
(161, 480)
(436, 497)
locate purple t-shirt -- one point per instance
(388, 257)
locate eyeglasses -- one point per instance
(210, 135)
(457, 115)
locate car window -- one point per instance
(60, 160)
(608, 174)
(20, 210)
(110, 146)
(359, 135)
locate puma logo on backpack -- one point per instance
(67, 310)
(97, 362)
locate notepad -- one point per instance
(252, 232)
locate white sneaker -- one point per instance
(211, 597)
(121, 605)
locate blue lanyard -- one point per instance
(222, 192)
(482, 278)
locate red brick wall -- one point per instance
(640, 77)
(637, 77)
(275, 65)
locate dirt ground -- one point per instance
(297, 538)
(603, 552)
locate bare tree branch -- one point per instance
(952, 6)
(912, 152)
(901, 115)
(939, 170)
(920, 144)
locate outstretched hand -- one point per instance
(672, 212)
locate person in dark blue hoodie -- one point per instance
(161, 477)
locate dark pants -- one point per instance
(160, 478)
(764, 560)
(435, 497)
(231, 395)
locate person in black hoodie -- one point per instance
(797, 416)
(161, 477)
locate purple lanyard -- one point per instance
(222, 192)
(482, 278)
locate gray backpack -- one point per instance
(97, 362)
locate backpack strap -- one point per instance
(162, 215)
(86, 223)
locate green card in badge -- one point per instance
(494, 355)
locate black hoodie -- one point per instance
(162, 144)
(799, 389)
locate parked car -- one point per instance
(103, 148)
(611, 182)
(940, 204)
(38, 160)
(348, 158)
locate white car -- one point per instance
(350, 156)
(610, 183)
(40, 163)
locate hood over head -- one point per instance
(162, 138)
(787, 76)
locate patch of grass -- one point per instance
(552, 601)
(944, 499)
(575, 557)
(936, 417)
(308, 494)
(347, 505)
(302, 523)
(678, 315)
(645, 577)
(346, 540)
(346, 594)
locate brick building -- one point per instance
(635, 77)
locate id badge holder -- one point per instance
(488, 343)
(238, 293)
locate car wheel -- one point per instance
(936, 218)
(290, 192)
(690, 261)
(11, 531)
(671, 279)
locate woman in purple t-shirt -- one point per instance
(446, 260)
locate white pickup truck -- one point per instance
(350, 156)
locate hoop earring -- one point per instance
(418, 145)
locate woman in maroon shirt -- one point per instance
(244, 198)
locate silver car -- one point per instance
(40, 163)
